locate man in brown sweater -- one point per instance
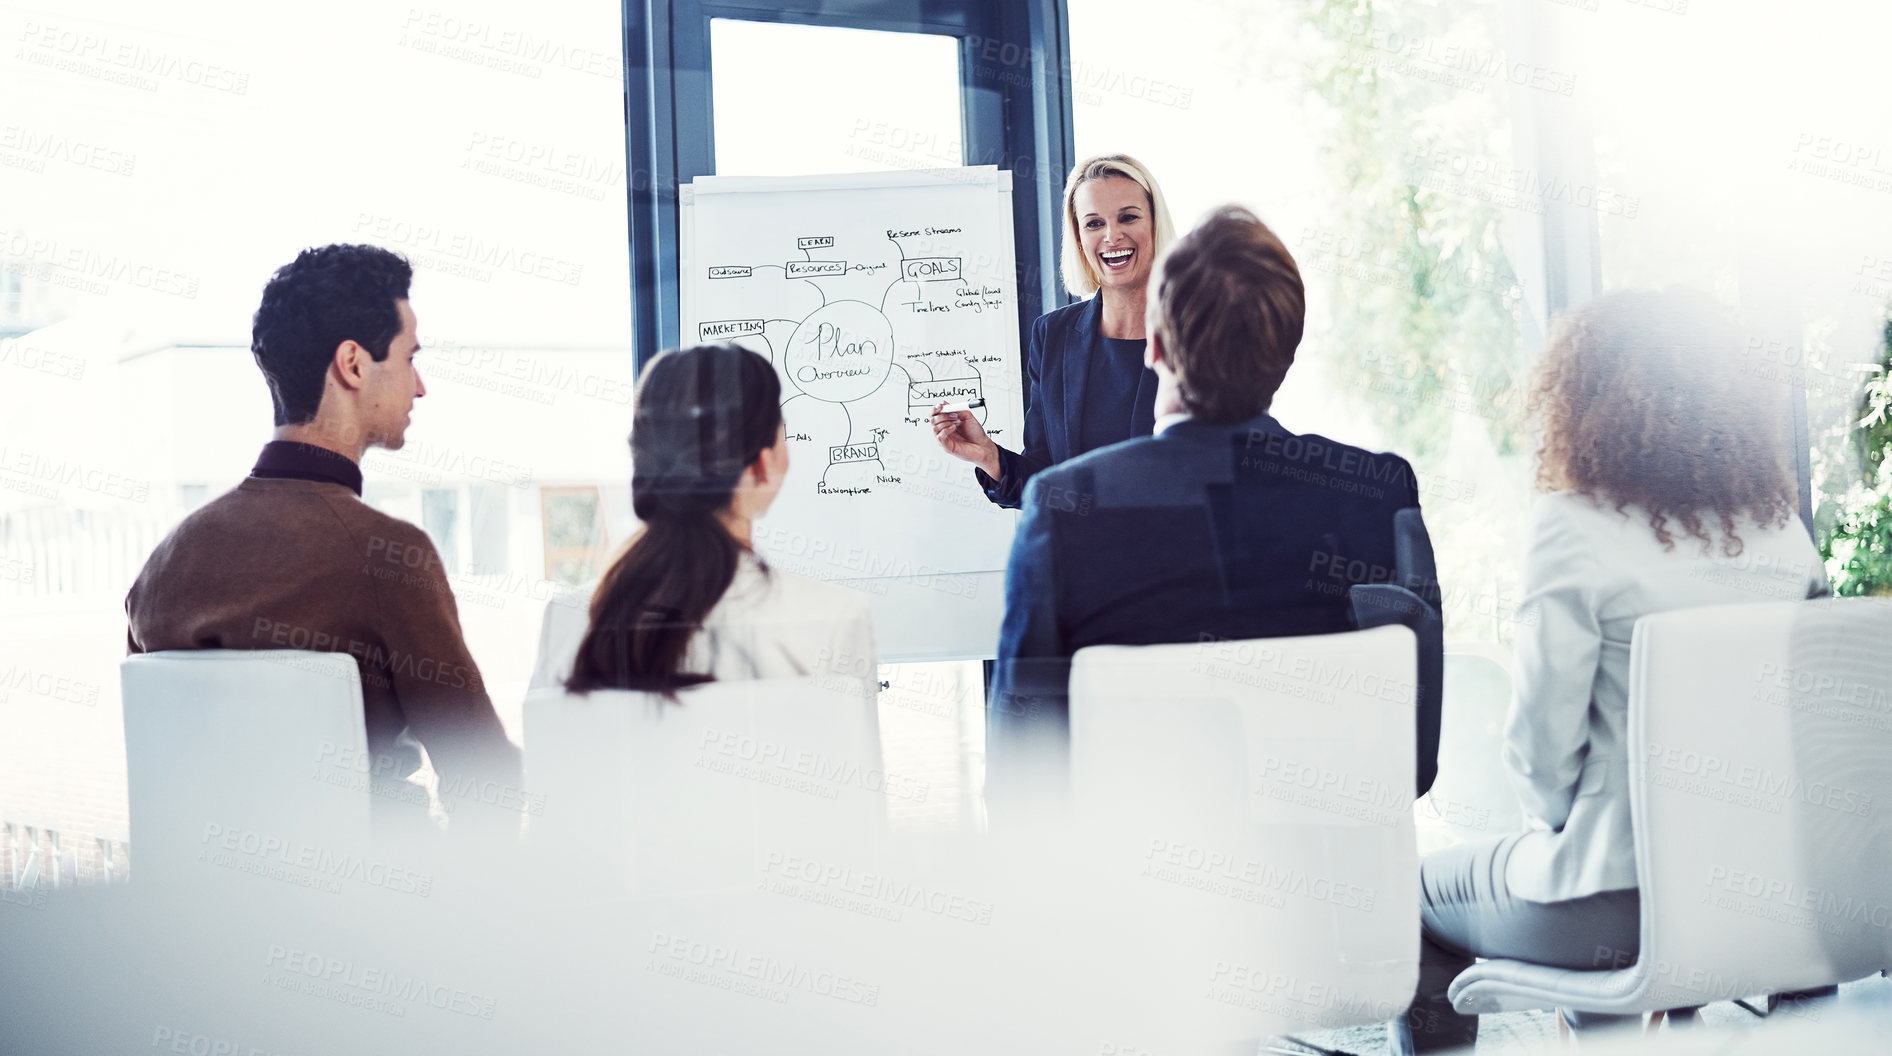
(293, 559)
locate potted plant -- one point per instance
(1855, 525)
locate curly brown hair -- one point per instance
(1645, 399)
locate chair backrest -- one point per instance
(1473, 796)
(1761, 792)
(243, 761)
(1257, 800)
(710, 792)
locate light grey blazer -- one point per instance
(1589, 574)
(778, 625)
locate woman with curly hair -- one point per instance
(1663, 460)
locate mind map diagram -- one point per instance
(867, 339)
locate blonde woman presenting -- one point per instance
(1087, 386)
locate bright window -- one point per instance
(1328, 122)
(801, 100)
(157, 165)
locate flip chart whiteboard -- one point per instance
(875, 295)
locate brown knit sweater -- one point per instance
(300, 564)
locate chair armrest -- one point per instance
(1412, 557)
(1378, 604)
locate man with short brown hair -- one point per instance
(1225, 316)
(1221, 524)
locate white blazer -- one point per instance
(774, 625)
(1589, 574)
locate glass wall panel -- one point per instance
(1363, 135)
(157, 162)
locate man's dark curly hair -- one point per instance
(325, 297)
(1645, 399)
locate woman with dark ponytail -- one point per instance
(690, 601)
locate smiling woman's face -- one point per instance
(1113, 224)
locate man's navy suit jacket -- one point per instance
(1242, 531)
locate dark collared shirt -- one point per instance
(299, 461)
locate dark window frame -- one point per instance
(1017, 116)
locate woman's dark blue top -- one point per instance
(1083, 391)
(1110, 393)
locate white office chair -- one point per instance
(237, 756)
(1472, 799)
(709, 792)
(1760, 771)
(1250, 811)
(727, 819)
